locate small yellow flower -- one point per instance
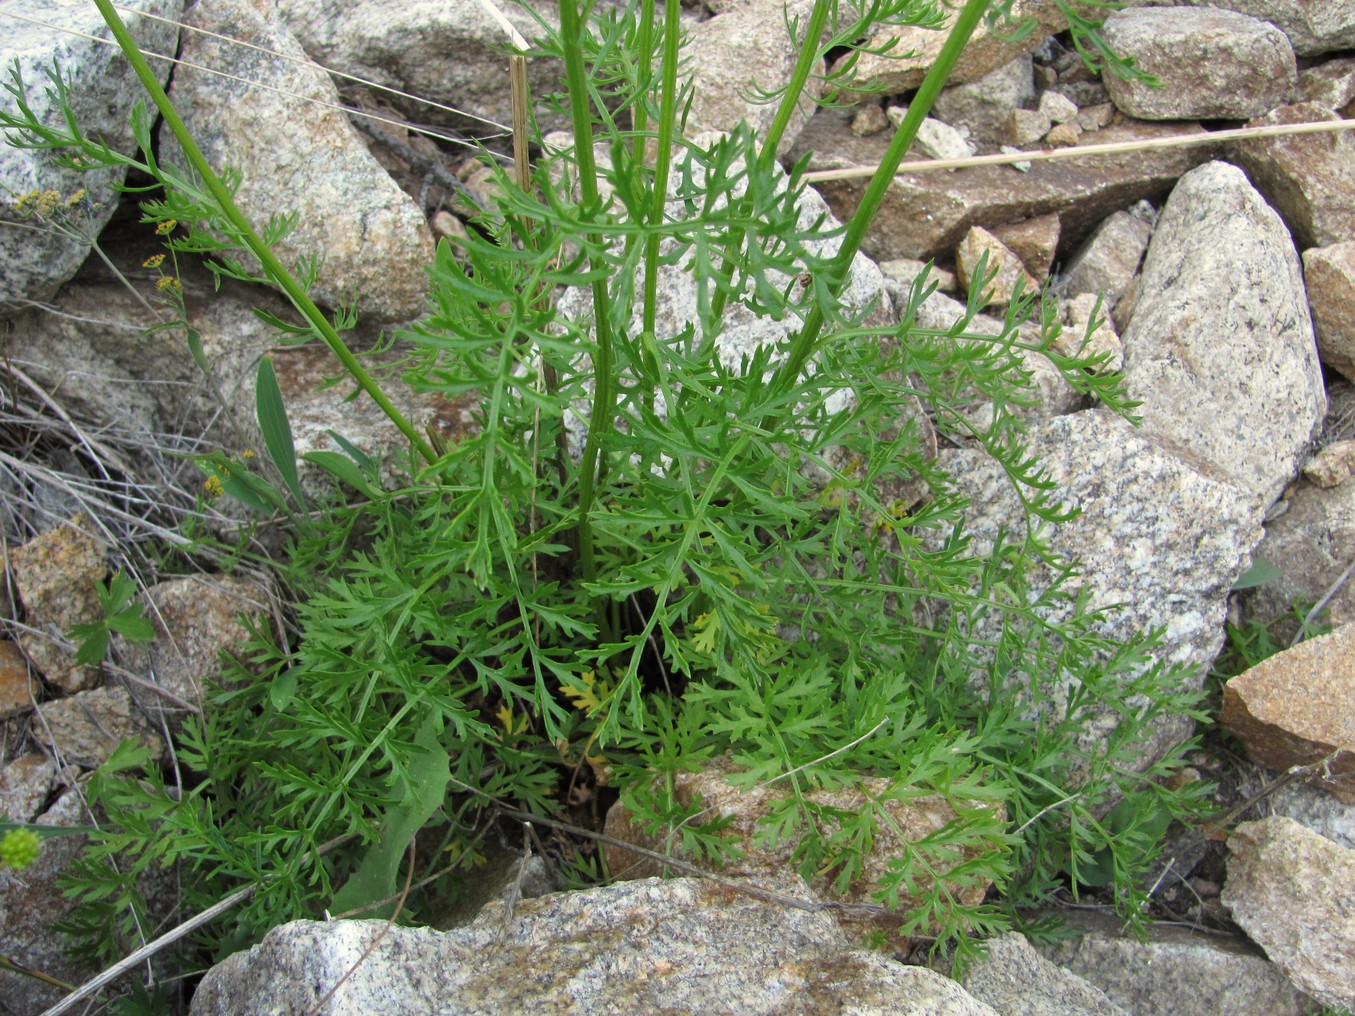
(212, 485)
(249, 453)
(167, 282)
(166, 227)
(154, 261)
(76, 198)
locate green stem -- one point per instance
(246, 234)
(604, 385)
(639, 116)
(790, 99)
(803, 346)
(663, 160)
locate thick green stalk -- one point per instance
(663, 160)
(604, 385)
(272, 267)
(803, 346)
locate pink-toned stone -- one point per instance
(196, 619)
(1035, 241)
(17, 687)
(924, 215)
(1332, 465)
(84, 729)
(57, 575)
(1307, 178)
(1062, 135)
(978, 242)
(1329, 274)
(1293, 892)
(1298, 707)
(916, 49)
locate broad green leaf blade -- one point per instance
(277, 432)
(375, 879)
(1260, 572)
(342, 468)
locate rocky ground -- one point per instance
(1226, 271)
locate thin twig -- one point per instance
(1087, 151)
(173, 935)
(1317, 608)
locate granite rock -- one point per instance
(1293, 892)
(653, 946)
(1016, 980)
(1330, 276)
(57, 575)
(196, 619)
(924, 215)
(1108, 261)
(44, 243)
(1176, 972)
(1221, 324)
(302, 157)
(1213, 64)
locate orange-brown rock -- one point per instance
(1298, 707)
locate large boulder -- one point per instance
(50, 215)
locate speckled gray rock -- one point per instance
(639, 947)
(1017, 981)
(1213, 64)
(1220, 348)
(1176, 973)
(449, 51)
(302, 157)
(982, 106)
(1107, 262)
(25, 784)
(30, 905)
(40, 252)
(1314, 809)
(734, 54)
(234, 339)
(1311, 543)
(1313, 27)
(1161, 536)
(1293, 892)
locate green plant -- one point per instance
(654, 549)
(121, 614)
